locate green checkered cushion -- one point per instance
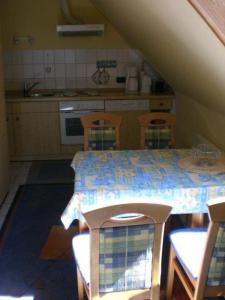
(125, 257)
(157, 137)
(216, 275)
(102, 139)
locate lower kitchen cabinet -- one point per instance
(32, 135)
(36, 134)
(4, 170)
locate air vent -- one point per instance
(86, 29)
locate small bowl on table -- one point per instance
(205, 155)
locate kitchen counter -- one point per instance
(80, 95)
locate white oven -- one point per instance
(70, 124)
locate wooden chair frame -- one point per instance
(89, 120)
(197, 289)
(152, 213)
(146, 119)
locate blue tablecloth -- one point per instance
(106, 177)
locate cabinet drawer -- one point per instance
(29, 107)
(126, 105)
(161, 104)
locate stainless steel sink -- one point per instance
(41, 94)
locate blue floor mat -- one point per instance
(37, 208)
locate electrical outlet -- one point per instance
(120, 79)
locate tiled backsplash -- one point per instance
(66, 68)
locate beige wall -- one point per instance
(177, 42)
(194, 118)
(39, 19)
(181, 46)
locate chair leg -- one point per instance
(170, 275)
(80, 286)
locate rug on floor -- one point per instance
(50, 171)
(59, 243)
(37, 208)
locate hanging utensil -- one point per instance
(104, 76)
(96, 76)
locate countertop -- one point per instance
(87, 94)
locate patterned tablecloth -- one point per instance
(106, 177)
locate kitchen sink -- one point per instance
(41, 94)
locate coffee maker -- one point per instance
(132, 80)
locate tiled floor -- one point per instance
(18, 176)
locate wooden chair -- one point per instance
(101, 131)
(197, 256)
(157, 130)
(121, 256)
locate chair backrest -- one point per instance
(157, 130)
(126, 251)
(212, 275)
(101, 131)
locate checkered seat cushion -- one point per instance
(158, 137)
(125, 257)
(102, 138)
(189, 246)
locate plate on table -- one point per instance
(191, 165)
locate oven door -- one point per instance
(72, 131)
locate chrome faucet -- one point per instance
(27, 88)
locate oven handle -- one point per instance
(67, 111)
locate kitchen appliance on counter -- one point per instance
(71, 129)
(132, 80)
(145, 82)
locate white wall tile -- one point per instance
(81, 82)
(17, 58)
(81, 56)
(18, 72)
(123, 55)
(48, 56)
(49, 71)
(112, 72)
(38, 57)
(101, 54)
(70, 56)
(28, 71)
(80, 70)
(38, 71)
(112, 54)
(8, 58)
(50, 83)
(71, 83)
(60, 83)
(59, 56)
(27, 57)
(91, 69)
(8, 72)
(70, 70)
(59, 70)
(121, 69)
(91, 56)
(66, 67)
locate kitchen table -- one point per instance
(108, 177)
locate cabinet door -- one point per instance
(4, 169)
(10, 129)
(36, 133)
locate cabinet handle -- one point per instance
(17, 118)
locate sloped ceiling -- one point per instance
(177, 42)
